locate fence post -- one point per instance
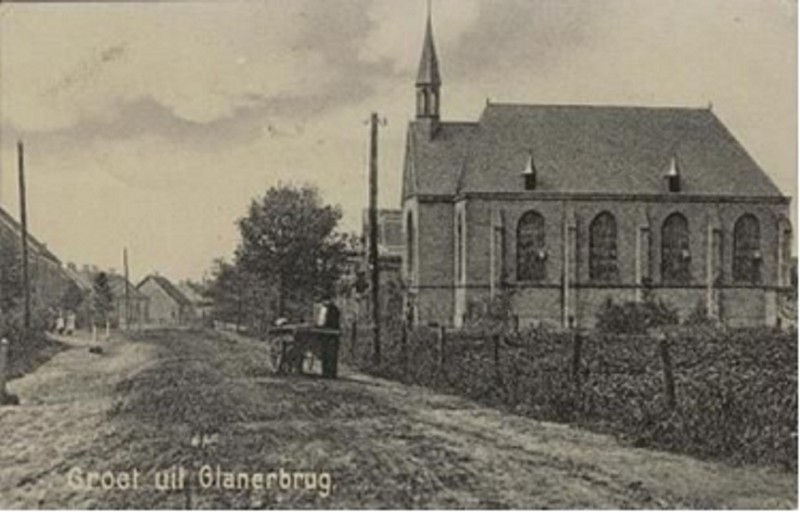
(496, 339)
(353, 339)
(3, 368)
(403, 348)
(442, 335)
(577, 348)
(666, 363)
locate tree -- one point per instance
(290, 244)
(102, 298)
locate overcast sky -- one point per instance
(152, 125)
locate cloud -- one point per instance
(207, 66)
(147, 124)
(397, 30)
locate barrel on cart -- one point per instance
(320, 339)
(300, 340)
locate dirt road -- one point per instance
(170, 401)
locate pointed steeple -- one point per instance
(428, 82)
(428, 73)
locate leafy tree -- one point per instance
(232, 293)
(72, 298)
(102, 298)
(290, 245)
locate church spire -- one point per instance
(428, 73)
(428, 79)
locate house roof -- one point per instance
(191, 293)
(583, 149)
(168, 287)
(117, 284)
(10, 223)
(81, 279)
(84, 279)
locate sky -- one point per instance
(152, 125)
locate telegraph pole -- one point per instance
(127, 290)
(373, 239)
(23, 217)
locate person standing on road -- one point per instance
(70, 327)
(330, 318)
(60, 325)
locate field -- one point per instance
(735, 392)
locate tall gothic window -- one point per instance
(410, 245)
(747, 250)
(786, 252)
(603, 248)
(531, 254)
(460, 252)
(675, 254)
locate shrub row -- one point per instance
(736, 391)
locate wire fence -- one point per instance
(725, 394)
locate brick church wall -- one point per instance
(440, 299)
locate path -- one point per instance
(383, 444)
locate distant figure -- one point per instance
(60, 324)
(70, 327)
(329, 316)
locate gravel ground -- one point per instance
(164, 401)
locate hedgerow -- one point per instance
(735, 390)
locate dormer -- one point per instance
(673, 175)
(529, 174)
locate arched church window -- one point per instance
(603, 248)
(747, 250)
(675, 253)
(786, 251)
(410, 238)
(460, 252)
(531, 253)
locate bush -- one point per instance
(26, 355)
(635, 317)
(736, 390)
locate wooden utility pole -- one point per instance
(373, 239)
(23, 218)
(127, 290)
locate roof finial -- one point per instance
(429, 9)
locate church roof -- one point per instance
(428, 73)
(583, 149)
(434, 166)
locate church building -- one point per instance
(562, 207)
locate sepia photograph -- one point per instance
(398, 254)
